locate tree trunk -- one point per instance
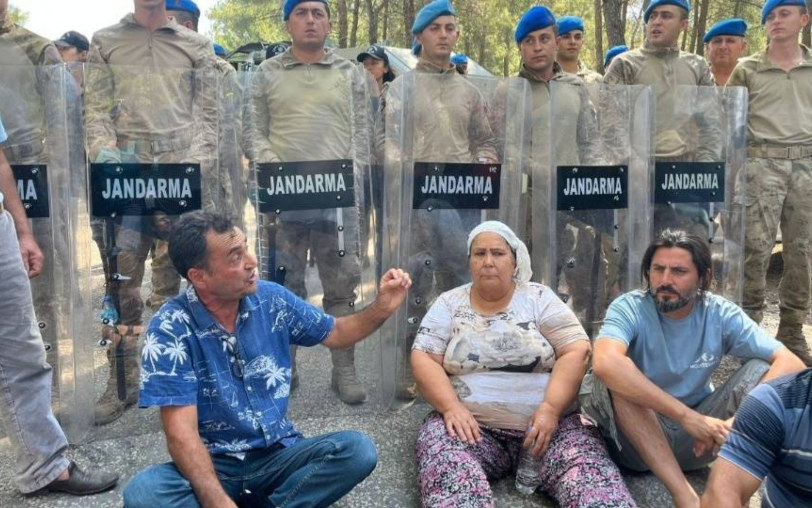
(598, 35)
(701, 27)
(343, 24)
(372, 28)
(356, 7)
(408, 20)
(615, 17)
(806, 33)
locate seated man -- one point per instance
(651, 392)
(772, 438)
(217, 361)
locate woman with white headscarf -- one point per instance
(500, 360)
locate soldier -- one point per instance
(611, 53)
(779, 169)
(448, 120)
(725, 44)
(571, 34)
(288, 105)
(460, 62)
(687, 121)
(538, 43)
(29, 84)
(140, 95)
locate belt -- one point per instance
(154, 146)
(779, 152)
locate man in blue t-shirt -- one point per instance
(772, 438)
(650, 391)
(217, 361)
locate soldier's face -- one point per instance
(309, 25)
(539, 49)
(438, 39)
(569, 45)
(664, 26)
(725, 50)
(785, 23)
(148, 4)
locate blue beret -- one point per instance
(535, 18)
(567, 24)
(290, 4)
(219, 50)
(685, 4)
(769, 5)
(732, 26)
(459, 59)
(430, 12)
(183, 5)
(613, 52)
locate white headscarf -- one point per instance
(523, 271)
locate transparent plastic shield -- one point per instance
(312, 141)
(152, 138)
(451, 163)
(41, 116)
(698, 179)
(590, 204)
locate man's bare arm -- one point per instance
(191, 457)
(729, 486)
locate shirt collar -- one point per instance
(171, 25)
(288, 60)
(669, 51)
(765, 64)
(557, 73)
(204, 318)
(424, 65)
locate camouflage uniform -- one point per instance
(688, 125)
(149, 97)
(779, 185)
(447, 121)
(317, 112)
(29, 95)
(588, 75)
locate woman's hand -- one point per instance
(459, 422)
(540, 429)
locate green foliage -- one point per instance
(487, 25)
(17, 16)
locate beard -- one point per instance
(672, 305)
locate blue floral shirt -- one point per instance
(239, 382)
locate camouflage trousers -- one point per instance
(335, 249)
(778, 195)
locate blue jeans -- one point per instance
(316, 471)
(25, 377)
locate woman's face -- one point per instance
(375, 67)
(492, 262)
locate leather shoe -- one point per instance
(81, 483)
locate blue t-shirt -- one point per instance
(772, 437)
(239, 382)
(679, 355)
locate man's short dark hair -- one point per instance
(698, 248)
(187, 241)
(183, 16)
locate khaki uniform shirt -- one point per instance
(780, 102)
(686, 121)
(311, 112)
(448, 114)
(588, 75)
(139, 89)
(23, 88)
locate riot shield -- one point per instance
(41, 107)
(450, 164)
(698, 175)
(152, 137)
(590, 203)
(312, 135)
